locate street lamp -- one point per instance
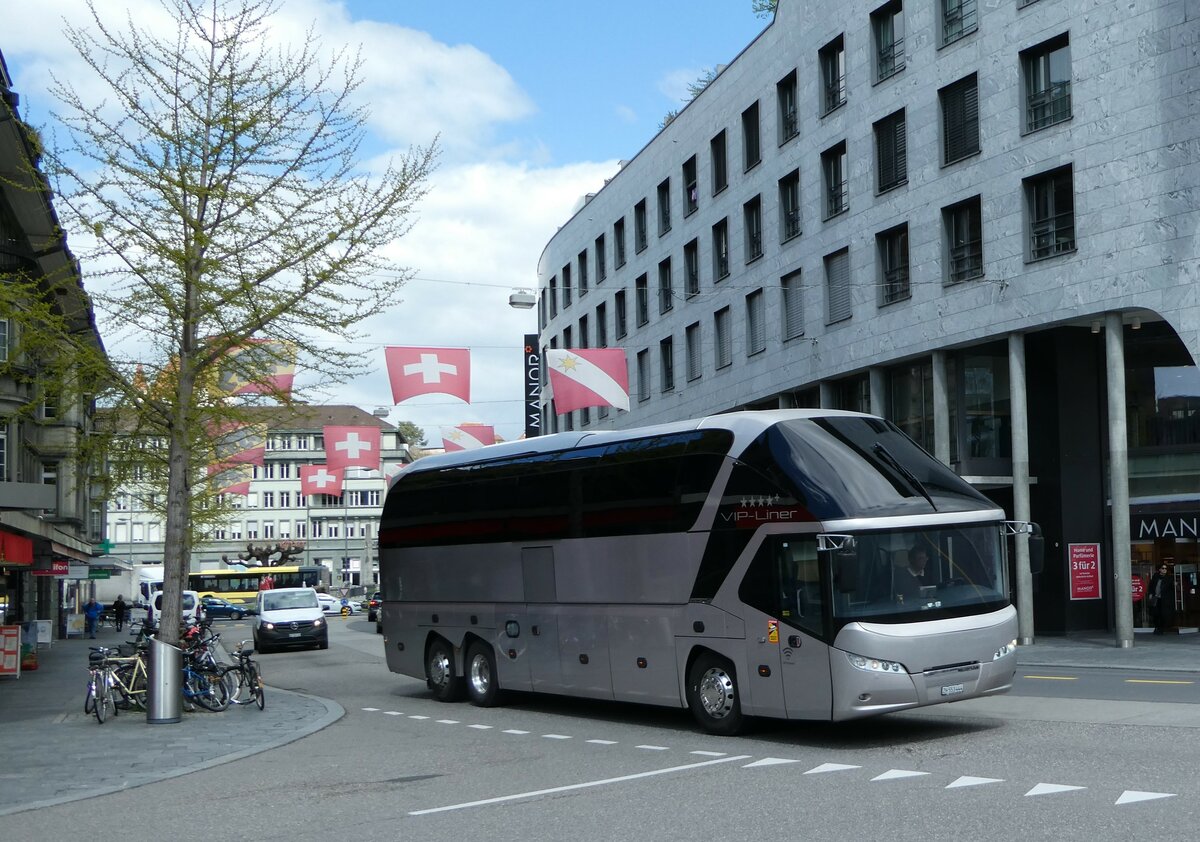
(523, 299)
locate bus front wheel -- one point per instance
(713, 696)
(482, 688)
(439, 667)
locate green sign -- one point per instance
(106, 547)
(98, 574)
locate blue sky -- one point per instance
(534, 103)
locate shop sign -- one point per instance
(1138, 588)
(96, 573)
(10, 650)
(77, 571)
(1166, 525)
(1083, 565)
(58, 567)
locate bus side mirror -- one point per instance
(845, 572)
(1037, 552)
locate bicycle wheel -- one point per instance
(235, 684)
(89, 701)
(211, 693)
(103, 698)
(256, 685)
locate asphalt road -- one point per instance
(401, 766)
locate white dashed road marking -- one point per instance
(481, 727)
(1051, 789)
(896, 774)
(1132, 796)
(555, 737)
(967, 780)
(653, 748)
(768, 761)
(710, 753)
(830, 767)
(515, 731)
(603, 742)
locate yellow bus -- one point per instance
(241, 585)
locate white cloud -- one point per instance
(674, 85)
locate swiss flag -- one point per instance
(424, 371)
(467, 436)
(321, 479)
(352, 447)
(582, 377)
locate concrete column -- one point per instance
(877, 388)
(1020, 470)
(828, 400)
(941, 409)
(1118, 480)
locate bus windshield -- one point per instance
(932, 571)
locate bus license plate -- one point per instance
(951, 689)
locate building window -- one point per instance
(960, 119)
(601, 269)
(567, 289)
(964, 240)
(268, 500)
(666, 293)
(1051, 207)
(583, 333)
(720, 238)
(641, 300)
(752, 217)
(695, 366)
(4, 340)
(833, 75)
(1047, 69)
(664, 206)
(568, 338)
(887, 27)
(756, 331)
(789, 205)
(958, 19)
(50, 404)
(793, 305)
(785, 93)
(639, 226)
(891, 149)
(666, 359)
(601, 326)
(643, 370)
(837, 285)
(720, 170)
(553, 297)
(620, 327)
(833, 167)
(691, 268)
(892, 246)
(4, 450)
(582, 263)
(691, 187)
(751, 149)
(723, 344)
(619, 242)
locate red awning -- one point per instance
(15, 549)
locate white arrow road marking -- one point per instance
(830, 767)
(769, 761)
(967, 780)
(1050, 789)
(896, 774)
(584, 785)
(1131, 796)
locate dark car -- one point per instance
(373, 606)
(215, 607)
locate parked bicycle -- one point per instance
(203, 684)
(246, 679)
(99, 698)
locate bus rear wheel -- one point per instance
(439, 672)
(483, 690)
(713, 696)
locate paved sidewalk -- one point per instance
(1169, 652)
(53, 753)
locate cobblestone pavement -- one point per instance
(52, 752)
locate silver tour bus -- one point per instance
(799, 564)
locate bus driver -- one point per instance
(910, 581)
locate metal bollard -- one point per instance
(164, 690)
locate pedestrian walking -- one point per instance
(91, 614)
(1162, 600)
(119, 608)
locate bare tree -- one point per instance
(224, 191)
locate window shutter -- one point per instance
(837, 271)
(793, 307)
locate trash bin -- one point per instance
(164, 690)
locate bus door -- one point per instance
(785, 580)
(540, 627)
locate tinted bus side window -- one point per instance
(784, 581)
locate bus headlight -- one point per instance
(1006, 649)
(873, 664)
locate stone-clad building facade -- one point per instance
(978, 220)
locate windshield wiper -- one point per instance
(886, 455)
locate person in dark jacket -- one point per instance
(1162, 600)
(119, 608)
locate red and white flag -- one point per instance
(582, 377)
(352, 447)
(467, 436)
(259, 367)
(321, 479)
(231, 477)
(234, 441)
(424, 371)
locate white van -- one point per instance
(289, 617)
(190, 608)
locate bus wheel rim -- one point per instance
(716, 693)
(439, 669)
(481, 675)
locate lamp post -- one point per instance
(523, 299)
